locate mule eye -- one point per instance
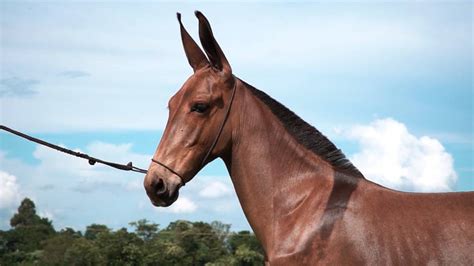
(199, 107)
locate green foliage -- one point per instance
(24, 243)
(55, 247)
(144, 229)
(93, 230)
(26, 214)
(246, 238)
(120, 247)
(83, 252)
(245, 256)
(32, 240)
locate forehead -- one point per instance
(200, 83)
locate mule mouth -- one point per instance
(164, 201)
(162, 189)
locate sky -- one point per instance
(391, 84)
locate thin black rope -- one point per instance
(221, 128)
(92, 160)
(171, 170)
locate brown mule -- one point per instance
(306, 203)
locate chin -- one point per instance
(166, 201)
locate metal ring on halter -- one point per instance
(214, 143)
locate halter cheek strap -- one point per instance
(214, 143)
(227, 113)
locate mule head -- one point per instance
(197, 114)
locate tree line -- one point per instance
(32, 240)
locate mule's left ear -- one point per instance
(210, 45)
(194, 54)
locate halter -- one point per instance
(214, 143)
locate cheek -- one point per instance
(191, 135)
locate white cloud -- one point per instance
(118, 152)
(53, 162)
(392, 156)
(73, 193)
(39, 47)
(181, 205)
(135, 185)
(56, 180)
(215, 189)
(9, 191)
(85, 177)
(46, 214)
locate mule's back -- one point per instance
(388, 226)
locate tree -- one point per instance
(199, 241)
(29, 230)
(144, 229)
(26, 214)
(120, 247)
(83, 252)
(33, 241)
(164, 249)
(93, 230)
(221, 230)
(245, 238)
(244, 256)
(55, 247)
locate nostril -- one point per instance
(160, 187)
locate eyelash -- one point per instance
(200, 108)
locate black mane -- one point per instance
(307, 135)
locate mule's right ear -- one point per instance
(210, 45)
(195, 55)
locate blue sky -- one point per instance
(390, 84)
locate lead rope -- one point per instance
(91, 160)
(129, 166)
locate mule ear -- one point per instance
(196, 57)
(210, 45)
